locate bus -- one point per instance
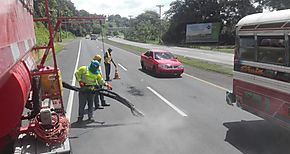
(261, 80)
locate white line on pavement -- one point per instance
(209, 83)
(71, 93)
(167, 102)
(122, 67)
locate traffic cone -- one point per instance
(116, 74)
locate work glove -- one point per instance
(81, 83)
(109, 87)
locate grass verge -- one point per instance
(192, 62)
(58, 48)
(204, 65)
(225, 49)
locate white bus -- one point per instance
(261, 82)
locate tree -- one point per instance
(274, 4)
(65, 8)
(97, 29)
(176, 12)
(117, 24)
(227, 12)
(144, 27)
(186, 12)
(232, 12)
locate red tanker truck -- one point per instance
(25, 85)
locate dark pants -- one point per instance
(84, 99)
(108, 71)
(96, 100)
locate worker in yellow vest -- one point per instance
(96, 98)
(108, 60)
(89, 78)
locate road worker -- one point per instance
(96, 98)
(89, 78)
(108, 60)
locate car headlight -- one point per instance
(180, 66)
(162, 66)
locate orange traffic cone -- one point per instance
(116, 74)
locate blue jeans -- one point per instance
(84, 99)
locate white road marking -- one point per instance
(209, 83)
(71, 93)
(123, 67)
(167, 102)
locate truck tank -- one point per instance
(16, 62)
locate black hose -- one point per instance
(109, 94)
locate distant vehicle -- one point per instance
(261, 81)
(87, 36)
(161, 62)
(93, 37)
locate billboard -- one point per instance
(203, 32)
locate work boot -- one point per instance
(105, 104)
(99, 108)
(108, 79)
(90, 120)
(80, 120)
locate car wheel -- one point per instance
(178, 76)
(142, 66)
(154, 71)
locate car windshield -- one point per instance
(163, 55)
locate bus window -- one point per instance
(247, 48)
(271, 50)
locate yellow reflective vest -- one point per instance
(108, 58)
(90, 79)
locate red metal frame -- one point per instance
(52, 34)
(59, 132)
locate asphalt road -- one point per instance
(211, 56)
(182, 115)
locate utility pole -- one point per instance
(102, 33)
(60, 37)
(130, 26)
(159, 6)
(160, 18)
(65, 13)
(130, 18)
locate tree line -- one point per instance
(66, 8)
(148, 27)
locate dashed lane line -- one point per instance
(125, 69)
(209, 83)
(167, 102)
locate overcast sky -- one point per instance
(121, 7)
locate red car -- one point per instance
(161, 62)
